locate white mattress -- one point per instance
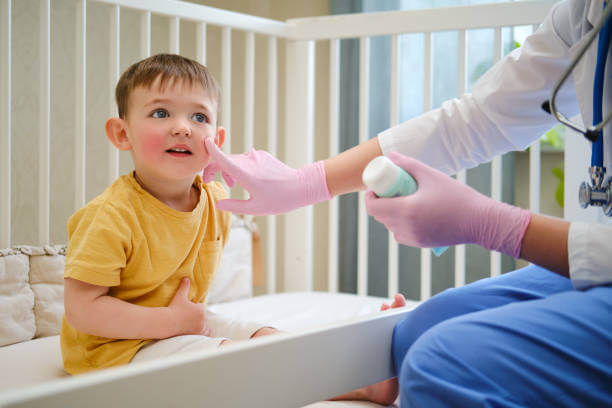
(39, 360)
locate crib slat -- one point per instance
(5, 124)
(535, 169)
(44, 160)
(249, 90)
(334, 111)
(393, 250)
(496, 164)
(534, 176)
(364, 102)
(272, 147)
(427, 105)
(460, 249)
(201, 43)
(226, 83)
(145, 34)
(249, 95)
(175, 35)
(114, 58)
(461, 176)
(299, 150)
(80, 104)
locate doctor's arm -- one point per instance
(445, 212)
(545, 243)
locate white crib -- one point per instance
(296, 368)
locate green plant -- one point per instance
(559, 173)
(555, 137)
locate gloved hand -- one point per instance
(274, 187)
(445, 212)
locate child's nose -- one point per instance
(181, 128)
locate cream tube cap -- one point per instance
(380, 175)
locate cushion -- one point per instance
(234, 278)
(17, 321)
(47, 282)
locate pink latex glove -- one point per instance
(274, 187)
(446, 212)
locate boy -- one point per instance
(142, 255)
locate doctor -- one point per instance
(538, 336)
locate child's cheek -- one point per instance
(153, 145)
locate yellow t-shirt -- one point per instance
(141, 248)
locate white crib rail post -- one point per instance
(461, 176)
(393, 252)
(272, 142)
(114, 31)
(534, 176)
(535, 160)
(496, 164)
(299, 150)
(145, 34)
(249, 91)
(427, 104)
(175, 35)
(334, 112)
(44, 159)
(80, 104)
(201, 43)
(364, 124)
(5, 123)
(249, 97)
(226, 83)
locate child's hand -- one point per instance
(188, 316)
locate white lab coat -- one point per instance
(503, 114)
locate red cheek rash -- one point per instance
(152, 146)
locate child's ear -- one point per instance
(116, 133)
(220, 137)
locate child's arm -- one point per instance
(90, 310)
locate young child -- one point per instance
(142, 255)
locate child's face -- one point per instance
(166, 127)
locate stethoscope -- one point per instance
(597, 192)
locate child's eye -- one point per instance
(160, 114)
(199, 117)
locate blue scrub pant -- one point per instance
(523, 339)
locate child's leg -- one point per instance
(223, 326)
(176, 345)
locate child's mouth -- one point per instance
(179, 152)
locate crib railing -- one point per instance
(292, 248)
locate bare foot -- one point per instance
(398, 301)
(384, 392)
